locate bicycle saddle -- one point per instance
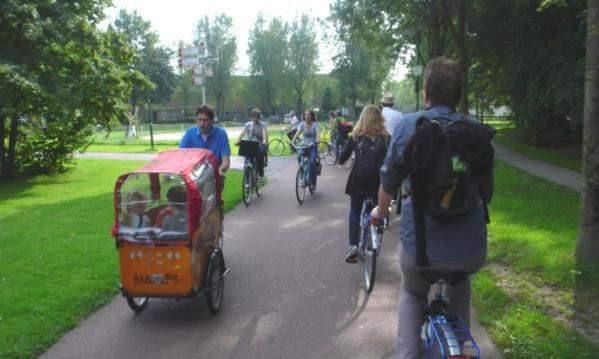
(452, 278)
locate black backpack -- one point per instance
(369, 160)
(451, 166)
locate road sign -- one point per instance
(197, 80)
(198, 70)
(190, 52)
(190, 61)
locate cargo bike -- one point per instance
(168, 228)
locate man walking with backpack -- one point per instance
(448, 160)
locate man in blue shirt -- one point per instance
(208, 136)
(456, 245)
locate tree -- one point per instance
(327, 103)
(221, 46)
(301, 57)
(267, 53)
(153, 61)
(366, 53)
(60, 76)
(588, 241)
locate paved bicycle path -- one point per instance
(289, 293)
(556, 174)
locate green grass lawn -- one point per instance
(116, 142)
(59, 262)
(505, 136)
(533, 277)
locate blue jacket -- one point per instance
(217, 141)
(461, 239)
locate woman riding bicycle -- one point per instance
(309, 128)
(369, 143)
(255, 130)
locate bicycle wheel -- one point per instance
(370, 255)
(215, 281)
(330, 156)
(137, 304)
(246, 186)
(258, 184)
(350, 162)
(300, 186)
(276, 147)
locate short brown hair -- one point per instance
(311, 112)
(207, 110)
(256, 113)
(443, 82)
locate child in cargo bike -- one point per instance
(134, 215)
(174, 217)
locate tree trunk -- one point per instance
(299, 102)
(12, 146)
(463, 54)
(2, 149)
(587, 250)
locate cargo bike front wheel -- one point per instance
(215, 282)
(137, 304)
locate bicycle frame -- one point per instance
(445, 335)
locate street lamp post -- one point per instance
(417, 71)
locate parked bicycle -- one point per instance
(445, 336)
(278, 146)
(302, 178)
(371, 236)
(252, 182)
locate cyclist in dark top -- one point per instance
(369, 142)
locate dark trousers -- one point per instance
(312, 158)
(356, 202)
(340, 140)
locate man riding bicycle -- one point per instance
(210, 137)
(457, 244)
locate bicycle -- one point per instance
(302, 178)
(278, 146)
(445, 336)
(330, 154)
(371, 236)
(252, 182)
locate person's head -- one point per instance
(292, 113)
(177, 197)
(371, 123)
(205, 118)
(331, 114)
(338, 113)
(309, 116)
(387, 100)
(136, 202)
(442, 83)
(256, 115)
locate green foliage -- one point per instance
(538, 65)
(327, 103)
(221, 47)
(153, 61)
(301, 57)
(267, 49)
(365, 53)
(60, 76)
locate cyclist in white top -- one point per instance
(392, 117)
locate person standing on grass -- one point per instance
(369, 143)
(206, 135)
(456, 244)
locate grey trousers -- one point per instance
(413, 296)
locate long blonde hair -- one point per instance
(371, 123)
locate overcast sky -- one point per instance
(175, 20)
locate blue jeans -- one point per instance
(340, 139)
(312, 152)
